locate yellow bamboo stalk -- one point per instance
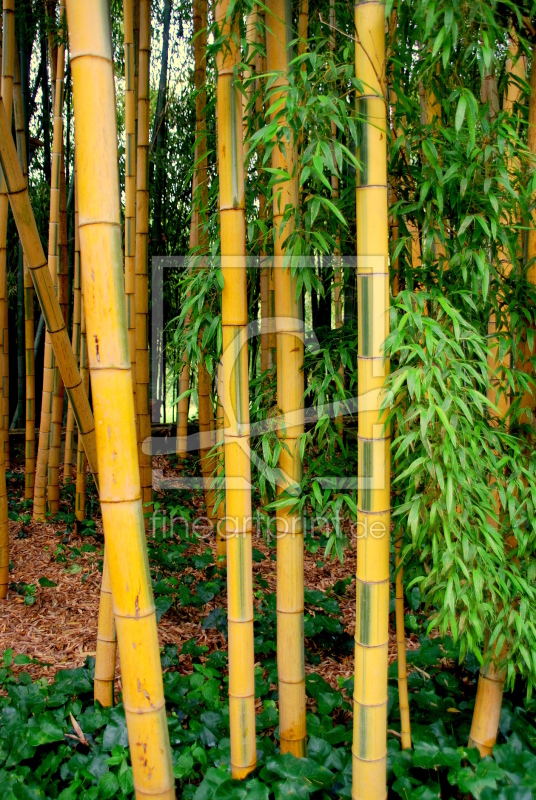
(369, 748)
(131, 99)
(111, 379)
(58, 252)
(81, 460)
(142, 255)
(236, 398)
(75, 339)
(487, 711)
(8, 75)
(289, 340)
(221, 540)
(106, 655)
(29, 450)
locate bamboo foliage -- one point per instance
(492, 676)
(142, 253)
(236, 399)
(111, 378)
(8, 75)
(290, 388)
(369, 748)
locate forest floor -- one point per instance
(56, 626)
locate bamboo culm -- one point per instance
(141, 293)
(290, 389)
(369, 747)
(111, 384)
(236, 400)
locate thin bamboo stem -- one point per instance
(29, 449)
(4, 520)
(8, 76)
(236, 398)
(131, 115)
(75, 338)
(142, 256)
(369, 748)
(290, 388)
(81, 460)
(58, 257)
(111, 382)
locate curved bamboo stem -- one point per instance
(369, 748)
(44, 288)
(111, 379)
(8, 76)
(236, 400)
(290, 388)
(142, 255)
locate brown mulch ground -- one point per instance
(59, 630)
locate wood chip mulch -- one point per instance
(59, 630)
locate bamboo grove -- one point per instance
(337, 205)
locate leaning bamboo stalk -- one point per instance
(44, 288)
(130, 179)
(236, 399)
(111, 382)
(142, 254)
(29, 448)
(57, 256)
(290, 388)
(8, 75)
(369, 748)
